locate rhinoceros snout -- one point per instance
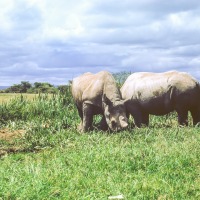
(124, 125)
(123, 122)
(119, 125)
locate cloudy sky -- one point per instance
(57, 40)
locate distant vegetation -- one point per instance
(120, 77)
(37, 87)
(40, 87)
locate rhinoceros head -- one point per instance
(115, 114)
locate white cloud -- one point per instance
(56, 40)
(5, 7)
(61, 19)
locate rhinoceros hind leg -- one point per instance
(183, 117)
(195, 116)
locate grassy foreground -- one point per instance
(54, 161)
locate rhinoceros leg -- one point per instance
(80, 112)
(183, 117)
(145, 119)
(195, 116)
(136, 113)
(103, 124)
(87, 117)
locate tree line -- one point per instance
(37, 87)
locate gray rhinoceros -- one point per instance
(98, 94)
(160, 93)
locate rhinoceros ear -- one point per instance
(106, 100)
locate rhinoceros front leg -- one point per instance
(145, 119)
(80, 112)
(103, 124)
(87, 117)
(135, 111)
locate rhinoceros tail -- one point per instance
(198, 86)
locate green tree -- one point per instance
(25, 85)
(43, 88)
(120, 77)
(19, 88)
(16, 88)
(63, 88)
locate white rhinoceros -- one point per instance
(98, 94)
(160, 93)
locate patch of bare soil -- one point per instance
(5, 151)
(7, 134)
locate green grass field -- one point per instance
(52, 160)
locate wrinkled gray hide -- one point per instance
(160, 93)
(98, 94)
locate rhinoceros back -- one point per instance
(91, 87)
(159, 93)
